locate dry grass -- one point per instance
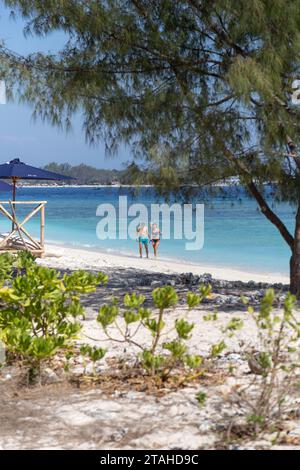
(118, 377)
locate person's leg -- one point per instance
(147, 250)
(141, 249)
(156, 247)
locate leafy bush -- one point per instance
(41, 310)
(273, 362)
(6, 266)
(9, 263)
(93, 353)
(160, 357)
(24, 260)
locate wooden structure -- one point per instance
(19, 237)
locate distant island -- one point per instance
(87, 175)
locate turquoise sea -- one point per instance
(236, 234)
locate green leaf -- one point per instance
(131, 317)
(107, 315)
(193, 299)
(94, 353)
(218, 348)
(183, 328)
(133, 300)
(152, 362)
(176, 348)
(201, 398)
(164, 297)
(193, 361)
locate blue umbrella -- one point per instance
(15, 170)
(5, 186)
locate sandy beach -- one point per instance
(122, 416)
(65, 257)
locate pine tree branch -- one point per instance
(292, 149)
(270, 215)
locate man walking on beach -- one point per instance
(143, 238)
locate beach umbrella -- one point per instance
(5, 187)
(16, 170)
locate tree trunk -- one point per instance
(293, 242)
(295, 258)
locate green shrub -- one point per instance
(41, 309)
(24, 260)
(6, 267)
(274, 362)
(160, 356)
(10, 263)
(93, 353)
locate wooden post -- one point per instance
(14, 181)
(42, 230)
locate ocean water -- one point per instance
(236, 234)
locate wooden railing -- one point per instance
(19, 237)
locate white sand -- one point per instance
(135, 420)
(60, 256)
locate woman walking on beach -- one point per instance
(143, 238)
(155, 237)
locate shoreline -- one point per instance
(70, 257)
(35, 186)
(57, 186)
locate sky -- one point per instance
(35, 142)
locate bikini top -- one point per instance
(155, 234)
(143, 232)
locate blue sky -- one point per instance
(36, 142)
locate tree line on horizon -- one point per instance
(86, 174)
